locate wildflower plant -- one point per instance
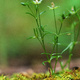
(40, 33)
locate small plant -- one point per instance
(40, 32)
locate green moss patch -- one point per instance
(62, 75)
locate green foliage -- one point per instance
(40, 33)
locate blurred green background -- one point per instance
(16, 26)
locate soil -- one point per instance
(36, 67)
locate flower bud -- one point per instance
(52, 4)
(72, 8)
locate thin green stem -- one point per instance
(39, 18)
(56, 40)
(78, 28)
(56, 31)
(74, 40)
(73, 45)
(38, 21)
(57, 44)
(60, 28)
(53, 48)
(55, 20)
(51, 67)
(30, 9)
(55, 65)
(70, 55)
(42, 38)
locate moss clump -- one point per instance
(62, 75)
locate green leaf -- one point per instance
(37, 32)
(67, 47)
(30, 14)
(44, 62)
(67, 33)
(59, 56)
(61, 64)
(24, 4)
(52, 8)
(52, 57)
(48, 32)
(74, 8)
(34, 31)
(56, 53)
(46, 53)
(32, 37)
(42, 12)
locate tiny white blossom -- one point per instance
(53, 6)
(72, 8)
(37, 1)
(72, 11)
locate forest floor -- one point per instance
(37, 67)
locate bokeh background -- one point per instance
(16, 26)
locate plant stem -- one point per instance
(51, 67)
(78, 28)
(56, 31)
(74, 40)
(56, 40)
(55, 65)
(55, 20)
(60, 28)
(38, 21)
(30, 9)
(73, 44)
(70, 55)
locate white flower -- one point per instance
(53, 6)
(37, 1)
(72, 11)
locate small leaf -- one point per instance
(65, 33)
(59, 56)
(52, 8)
(74, 8)
(46, 53)
(61, 64)
(67, 47)
(42, 12)
(24, 4)
(52, 57)
(48, 32)
(44, 62)
(37, 32)
(34, 31)
(71, 47)
(32, 37)
(56, 53)
(30, 14)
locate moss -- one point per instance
(62, 75)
